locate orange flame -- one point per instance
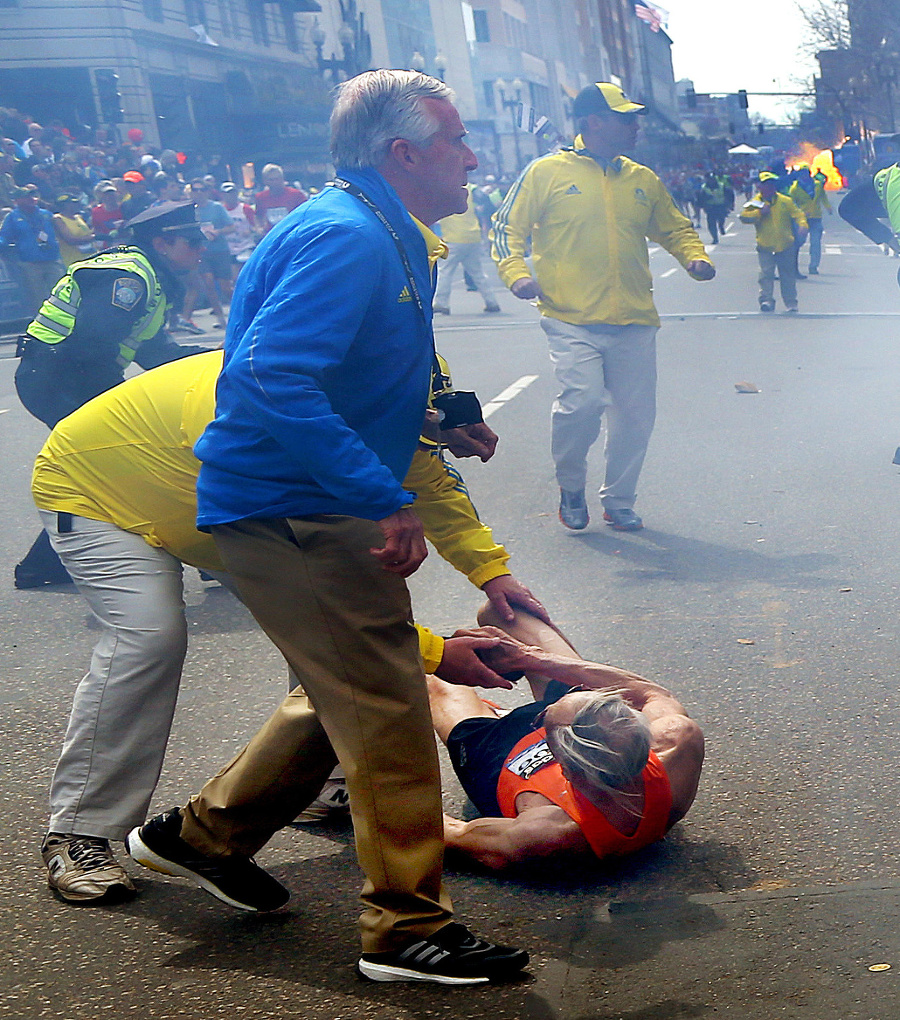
(818, 159)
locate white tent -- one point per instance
(743, 150)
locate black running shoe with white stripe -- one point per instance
(451, 956)
(238, 881)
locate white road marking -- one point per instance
(653, 251)
(668, 272)
(760, 315)
(832, 249)
(507, 395)
(5, 410)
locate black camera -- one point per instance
(457, 408)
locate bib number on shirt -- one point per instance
(527, 762)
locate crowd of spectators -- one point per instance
(62, 200)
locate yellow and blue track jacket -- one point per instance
(773, 232)
(589, 228)
(126, 458)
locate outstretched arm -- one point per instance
(498, 843)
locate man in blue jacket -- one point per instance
(28, 236)
(320, 403)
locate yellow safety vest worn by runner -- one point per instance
(55, 321)
(887, 188)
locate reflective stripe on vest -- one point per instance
(56, 318)
(887, 188)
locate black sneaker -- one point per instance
(237, 881)
(451, 956)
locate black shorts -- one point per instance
(218, 263)
(478, 748)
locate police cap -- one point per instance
(168, 219)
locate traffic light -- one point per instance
(691, 97)
(108, 95)
(742, 99)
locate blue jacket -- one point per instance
(19, 236)
(327, 366)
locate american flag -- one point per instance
(654, 16)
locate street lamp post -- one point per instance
(513, 106)
(440, 64)
(356, 45)
(417, 62)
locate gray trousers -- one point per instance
(783, 261)
(40, 278)
(815, 241)
(469, 257)
(122, 711)
(602, 368)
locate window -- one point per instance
(489, 100)
(225, 18)
(195, 12)
(153, 10)
(482, 32)
(290, 29)
(258, 27)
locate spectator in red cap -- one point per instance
(140, 197)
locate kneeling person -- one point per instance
(603, 762)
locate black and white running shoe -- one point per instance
(451, 956)
(238, 881)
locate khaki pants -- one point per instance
(783, 261)
(344, 626)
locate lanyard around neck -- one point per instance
(358, 193)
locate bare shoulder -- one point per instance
(678, 743)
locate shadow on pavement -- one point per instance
(654, 556)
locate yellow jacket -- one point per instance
(462, 228)
(142, 433)
(589, 228)
(801, 198)
(773, 233)
(819, 202)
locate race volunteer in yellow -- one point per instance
(809, 195)
(773, 215)
(589, 212)
(106, 312)
(115, 486)
(462, 234)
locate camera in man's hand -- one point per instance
(457, 408)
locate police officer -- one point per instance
(104, 314)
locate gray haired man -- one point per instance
(320, 403)
(602, 763)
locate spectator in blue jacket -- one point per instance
(320, 403)
(27, 236)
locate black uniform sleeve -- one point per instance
(862, 209)
(112, 302)
(161, 349)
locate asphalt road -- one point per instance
(763, 591)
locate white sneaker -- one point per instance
(333, 802)
(82, 869)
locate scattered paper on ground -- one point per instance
(746, 387)
(746, 641)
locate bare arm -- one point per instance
(498, 843)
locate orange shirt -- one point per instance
(530, 766)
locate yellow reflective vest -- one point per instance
(56, 318)
(887, 188)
